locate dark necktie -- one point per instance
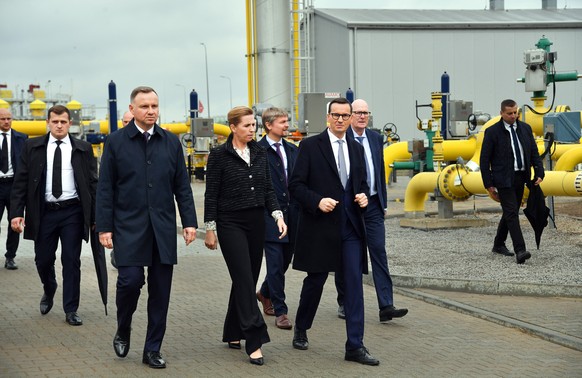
(516, 147)
(57, 168)
(278, 148)
(368, 178)
(342, 163)
(146, 137)
(4, 154)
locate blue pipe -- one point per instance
(445, 88)
(112, 107)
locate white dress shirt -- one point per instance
(369, 161)
(508, 128)
(335, 147)
(10, 172)
(68, 176)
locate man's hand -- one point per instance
(493, 193)
(538, 181)
(17, 224)
(189, 234)
(106, 239)
(361, 199)
(327, 204)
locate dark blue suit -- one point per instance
(328, 242)
(16, 145)
(375, 229)
(278, 252)
(138, 184)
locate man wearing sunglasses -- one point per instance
(329, 183)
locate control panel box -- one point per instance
(312, 113)
(203, 127)
(565, 126)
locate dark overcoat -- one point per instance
(497, 160)
(318, 240)
(136, 192)
(28, 189)
(281, 190)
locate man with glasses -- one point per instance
(329, 183)
(374, 215)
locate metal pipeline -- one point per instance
(569, 159)
(455, 182)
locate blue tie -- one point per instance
(278, 149)
(516, 148)
(368, 178)
(342, 164)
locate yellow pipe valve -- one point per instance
(450, 183)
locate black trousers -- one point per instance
(510, 199)
(241, 235)
(66, 225)
(12, 238)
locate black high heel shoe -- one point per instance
(257, 361)
(234, 345)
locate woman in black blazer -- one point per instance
(238, 189)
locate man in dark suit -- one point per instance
(374, 215)
(55, 186)
(142, 171)
(329, 183)
(508, 153)
(10, 148)
(278, 253)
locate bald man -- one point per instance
(11, 144)
(127, 117)
(374, 215)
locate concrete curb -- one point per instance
(487, 287)
(544, 333)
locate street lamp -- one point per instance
(185, 100)
(207, 87)
(229, 87)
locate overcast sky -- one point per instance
(77, 47)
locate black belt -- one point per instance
(62, 204)
(7, 179)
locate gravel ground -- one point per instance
(466, 253)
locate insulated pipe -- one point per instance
(569, 159)
(249, 56)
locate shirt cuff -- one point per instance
(277, 214)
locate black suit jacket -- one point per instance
(318, 240)
(280, 187)
(17, 145)
(497, 161)
(28, 190)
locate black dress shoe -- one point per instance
(521, 256)
(154, 360)
(300, 339)
(257, 361)
(502, 250)
(10, 264)
(73, 319)
(341, 313)
(387, 313)
(121, 344)
(234, 345)
(46, 303)
(362, 356)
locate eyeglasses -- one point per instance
(365, 114)
(336, 116)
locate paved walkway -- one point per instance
(445, 334)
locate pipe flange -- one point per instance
(450, 183)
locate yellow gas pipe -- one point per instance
(569, 159)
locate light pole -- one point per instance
(185, 100)
(207, 87)
(229, 87)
